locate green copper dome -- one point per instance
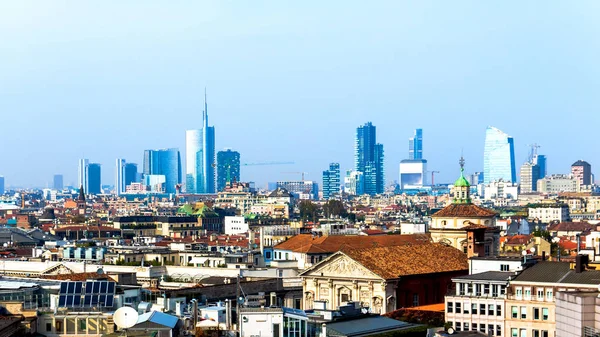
(462, 181)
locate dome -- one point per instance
(462, 181)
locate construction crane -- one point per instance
(269, 163)
(302, 173)
(533, 153)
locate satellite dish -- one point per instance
(524, 253)
(125, 317)
(100, 271)
(241, 300)
(532, 250)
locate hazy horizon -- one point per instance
(292, 81)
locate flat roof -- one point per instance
(487, 276)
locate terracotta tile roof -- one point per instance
(78, 277)
(306, 243)
(473, 226)
(373, 232)
(397, 261)
(571, 227)
(464, 210)
(518, 239)
(438, 307)
(88, 228)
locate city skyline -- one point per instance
(441, 75)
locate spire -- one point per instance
(81, 194)
(462, 186)
(205, 115)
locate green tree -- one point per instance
(308, 210)
(334, 208)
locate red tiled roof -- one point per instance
(306, 243)
(571, 227)
(397, 261)
(518, 239)
(88, 228)
(78, 277)
(373, 232)
(464, 210)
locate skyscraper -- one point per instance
(131, 174)
(331, 181)
(541, 161)
(94, 178)
(498, 157)
(369, 159)
(81, 175)
(165, 162)
(582, 171)
(120, 177)
(57, 183)
(530, 174)
(415, 145)
(200, 157)
(1, 185)
(228, 168)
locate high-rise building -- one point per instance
(582, 171)
(131, 174)
(120, 177)
(354, 183)
(412, 173)
(530, 174)
(81, 173)
(369, 159)
(57, 182)
(1, 185)
(165, 162)
(476, 178)
(305, 189)
(228, 168)
(498, 157)
(200, 157)
(94, 178)
(415, 145)
(331, 181)
(541, 161)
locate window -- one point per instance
(544, 333)
(503, 267)
(527, 293)
(48, 327)
(474, 326)
(268, 255)
(276, 330)
(486, 289)
(486, 250)
(482, 309)
(82, 325)
(535, 333)
(59, 326)
(344, 297)
(540, 294)
(514, 311)
(549, 295)
(498, 330)
(461, 288)
(466, 326)
(466, 308)
(474, 308)
(502, 290)
(498, 310)
(519, 293)
(536, 313)
(457, 328)
(514, 332)
(449, 307)
(495, 290)
(469, 289)
(457, 306)
(478, 290)
(523, 312)
(415, 300)
(545, 314)
(491, 309)
(523, 332)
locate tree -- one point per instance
(334, 208)
(308, 210)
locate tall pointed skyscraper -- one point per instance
(200, 156)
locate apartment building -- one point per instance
(530, 299)
(548, 212)
(476, 302)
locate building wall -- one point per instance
(574, 312)
(261, 324)
(549, 214)
(235, 225)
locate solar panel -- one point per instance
(96, 287)
(63, 287)
(89, 287)
(61, 301)
(109, 300)
(71, 288)
(78, 286)
(90, 294)
(111, 288)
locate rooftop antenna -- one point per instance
(125, 318)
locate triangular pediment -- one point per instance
(340, 265)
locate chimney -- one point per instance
(581, 262)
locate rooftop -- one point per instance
(367, 326)
(464, 210)
(487, 276)
(558, 272)
(307, 243)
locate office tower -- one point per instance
(58, 182)
(476, 178)
(354, 183)
(415, 145)
(582, 171)
(541, 161)
(165, 162)
(1, 185)
(200, 157)
(498, 157)
(412, 173)
(120, 177)
(81, 175)
(131, 174)
(369, 159)
(304, 189)
(228, 168)
(331, 181)
(530, 174)
(93, 177)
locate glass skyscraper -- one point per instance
(58, 182)
(228, 168)
(498, 157)
(165, 162)
(81, 175)
(200, 157)
(120, 177)
(369, 159)
(331, 181)
(415, 145)
(131, 173)
(94, 178)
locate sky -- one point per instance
(291, 81)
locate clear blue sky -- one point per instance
(292, 81)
